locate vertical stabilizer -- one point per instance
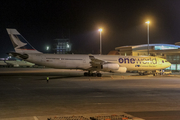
(21, 45)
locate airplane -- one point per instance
(93, 64)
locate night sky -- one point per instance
(123, 23)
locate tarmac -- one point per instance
(25, 94)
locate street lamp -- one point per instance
(67, 45)
(100, 30)
(47, 48)
(148, 22)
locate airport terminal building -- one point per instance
(168, 51)
(61, 46)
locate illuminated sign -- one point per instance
(164, 47)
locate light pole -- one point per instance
(148, 34)
(100, 30)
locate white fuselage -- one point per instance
(75, 61)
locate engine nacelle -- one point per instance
(110, 66)
(113, 67)
(122, 70)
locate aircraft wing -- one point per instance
(105, 65)
(96, 63)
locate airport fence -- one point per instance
(69, 118)
(112, 117)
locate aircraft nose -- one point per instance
(169, 64)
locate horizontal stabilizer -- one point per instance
(18, 55)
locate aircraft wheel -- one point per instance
(86, 74)
(99, 74)
(94, 74)
(155, 74)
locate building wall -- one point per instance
(174, 59)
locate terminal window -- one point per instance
(178, 66)
(169, 68)
(173, 66)
(178, 57)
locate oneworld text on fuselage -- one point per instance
(138, 60)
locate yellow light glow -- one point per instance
(100, 30)
(148, 22)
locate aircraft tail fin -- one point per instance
(21, 45)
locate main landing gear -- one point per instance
(92, 74)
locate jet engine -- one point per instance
(110, 66)
(113, 67)
(122, 70)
